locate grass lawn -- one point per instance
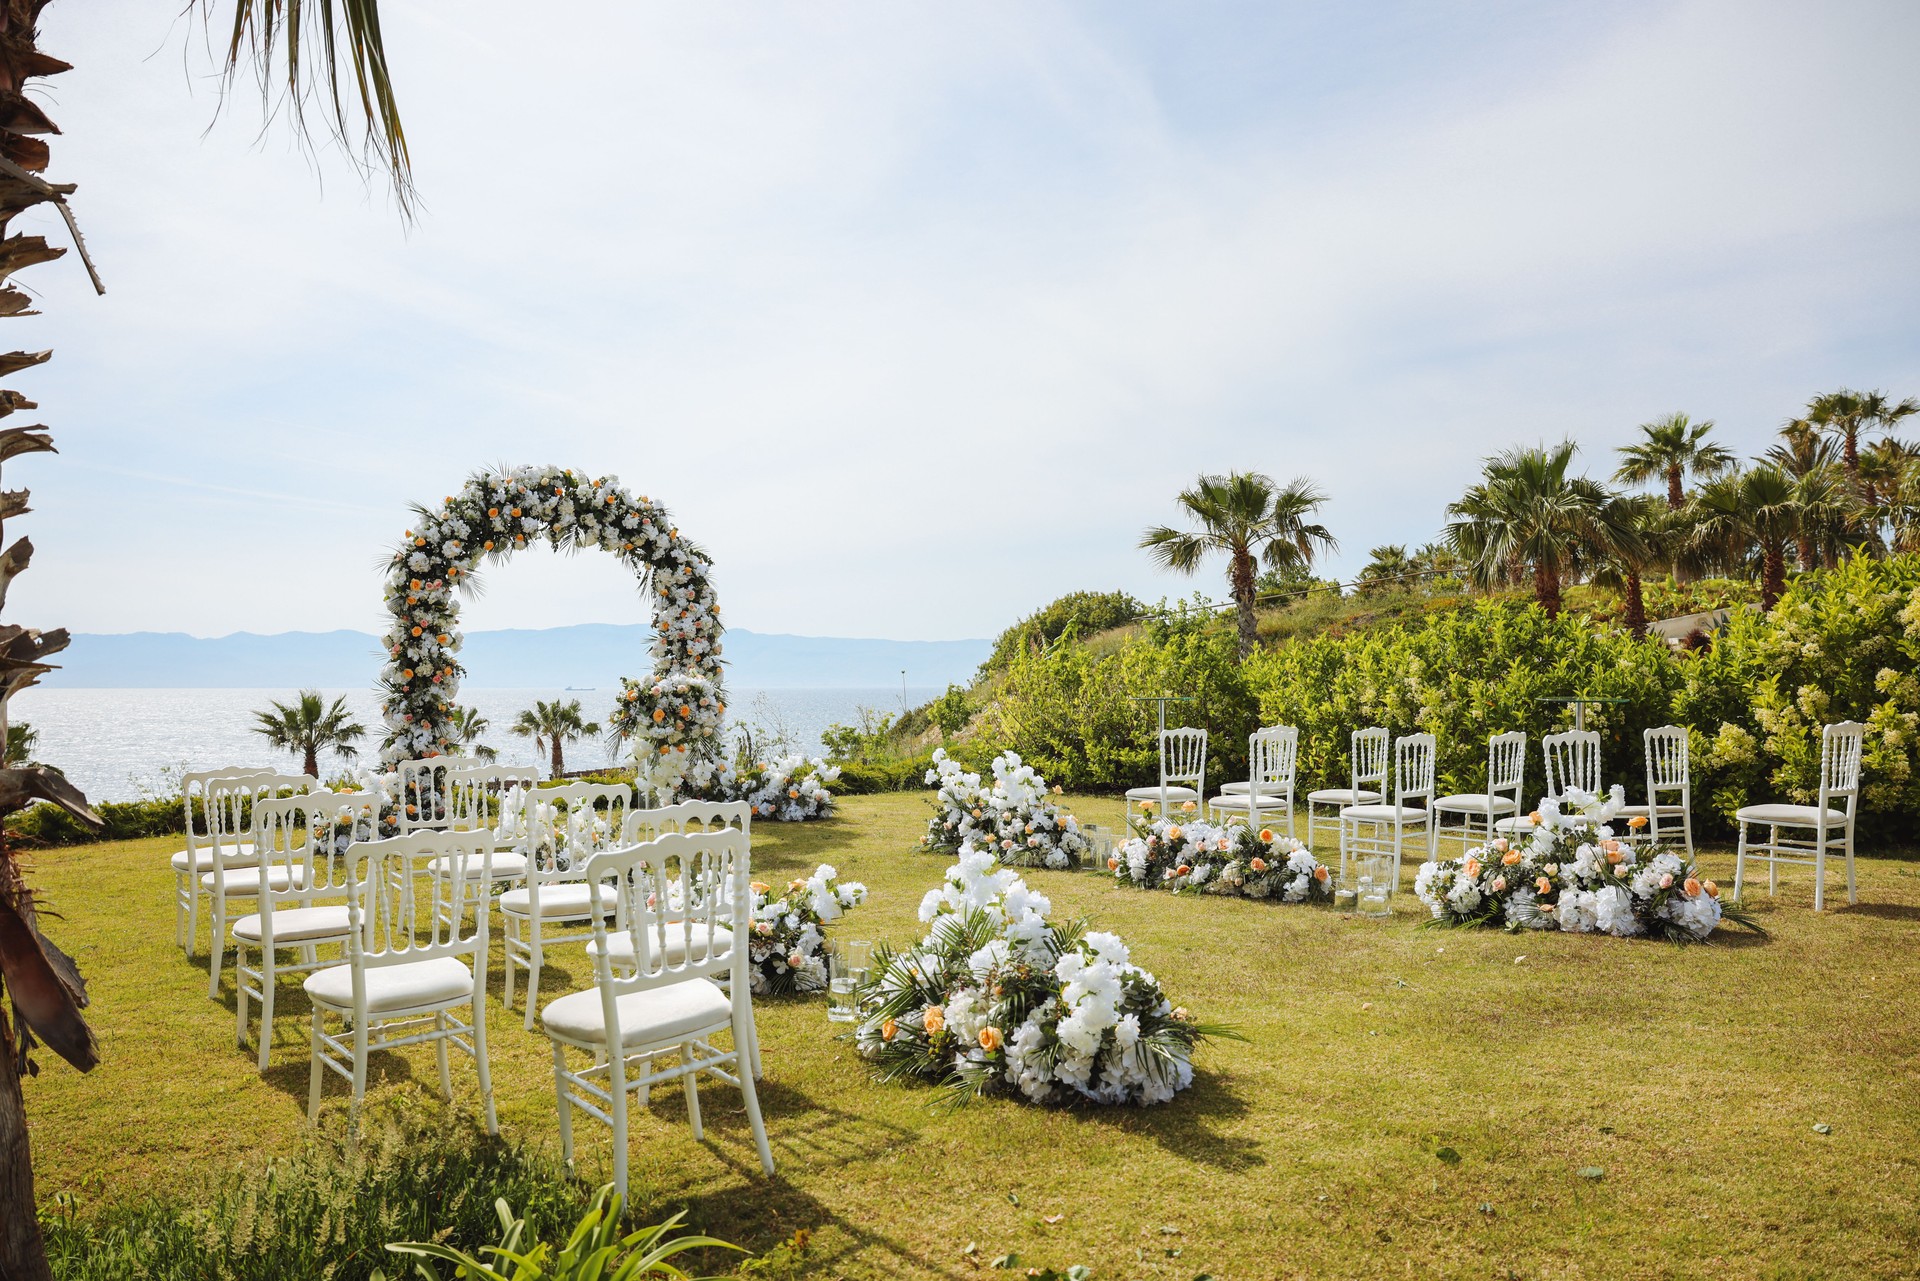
(1693, 1077)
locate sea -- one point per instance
(124, 744)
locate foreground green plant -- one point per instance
(594, 1252)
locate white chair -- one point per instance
(1183, 771)
(484, 798)
(302, 842)
(1506, 776)
(1573, 761)
(1364, 829)
(628, 1021)
(424, 802)
(232, 879)
(409, 968)
(1367, 763)
(1272, 754)
(1667, 771)
(1840, 748)
(562, 828)
(224, 816)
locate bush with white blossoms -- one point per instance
(1012, 816)
(1199, 857)
(1572, 873)
(788, 931)
(497, 513)
(997, 999)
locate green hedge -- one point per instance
(44, 824)
(906, 774)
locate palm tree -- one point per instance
(1847, 415)
(1387, 567)
(1881, 466)
(554, 725)
(1671, 449)
(1621, 565)
(308, 726)
(315, 43)
(1745, 521)
(1528, 518)
(1247, 516)
(23, 740)
(469, 727)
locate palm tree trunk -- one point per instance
(22, 1257)
(1241, 579)
(1676, 492)
(311, 765)
(1773, 575)
(1804, 551)
(559, 759)
(1850, 454)
(1636, 606)
(1546, 588)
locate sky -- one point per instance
(916, 316)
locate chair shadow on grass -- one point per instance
(757, 1213)
(1881, 911)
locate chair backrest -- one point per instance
(684, 883)
(478, 795)
(424, 801)
(1507, 763)
(306, 839)
(400, 911)
(1573, 760)
(233, 814)
(1667, 760)
(1840, 748)
(1183, 757)
(1368, 757)
(199, 786)
(1272, 754)
(1412, 768)
(710, 816)
(566, 825)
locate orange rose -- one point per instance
(1472, 868)
(936, 1019)
(1113, 864)
(1500, 844)
(1183, 869)
(1692, 887)
(1320, 873)
(1258, 864)
(1510, 858)
(1713, 891)
(1173, 833)
(1147, 806)
(1543, 885)
(1187, 806)
(887, 1030)
(1534, 818)
(659, 714)
(1637, 822)
(990, 1039)
(1266, 834)
(758, 887)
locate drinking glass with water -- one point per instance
(848, 965)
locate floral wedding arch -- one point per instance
(672, 717)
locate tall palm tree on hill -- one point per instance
(554, 725)
(1253, 521)
(1744, 522)
(1671, 449)
(1387, 568)
(1846, 415)
(300, 51)
(308, 726)
(1529, 518)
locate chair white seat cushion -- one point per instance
(247, 884)
(1241, 789)
(296, 925)
(1520, 823)
(620, 945)
(564, 899)
(1244, 801)
(235, 856)
(1342, 796)
(391, 988)
(1631, 811)
(1175, 794)
(1476, 803)
(507, 866)
(1789, 815)
(1384, 814)
(651, 1016)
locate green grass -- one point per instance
(1692, 1077)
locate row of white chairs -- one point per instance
(1370, 823)
(318, 876)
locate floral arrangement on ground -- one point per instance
(790, 789)
(1199, 857)
(1013, 817)
(998, 999)
(789, 932)
(1573, 874)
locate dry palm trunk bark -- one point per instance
(43, 991)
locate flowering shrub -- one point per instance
(788, 931)
(1572, 874)
(497, 513)
(1193, 856)
(997, 999)
(1013, 817)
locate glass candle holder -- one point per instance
(1373, 896)
(849, 964)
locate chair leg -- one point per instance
(1686, 822)
(239, 994)
(1740, 863)
(560, 1096)
(480, 1063)
(691, 1084)
(617, 1088)
(266, 1003)
(216, 951)
(751, 1096)
(314, 1070)
(1820, 868)
(360, 1022)
(1773, 860)
(440, 1052)
(534, 961)
(1852, 896)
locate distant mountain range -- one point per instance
(587, 655)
